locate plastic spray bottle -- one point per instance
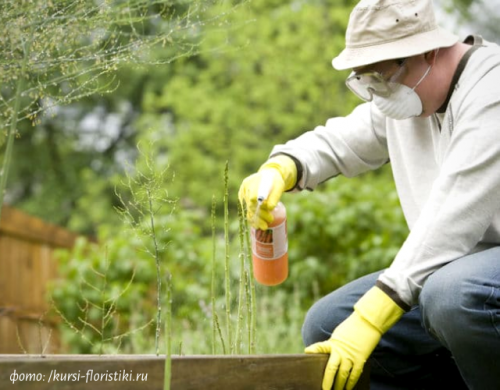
(270, 247)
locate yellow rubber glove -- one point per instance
(354, 340)
(283, 171)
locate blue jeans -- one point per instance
(450, 340)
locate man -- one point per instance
(432, 109)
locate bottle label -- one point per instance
(270, 244)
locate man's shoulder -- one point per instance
(483, 63)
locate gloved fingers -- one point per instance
(321, 347)
(247, 195)
(259, 218)
(258, 223)
(343, 374)
(248, 190)
(356, 372)
(331, 370)
(276, 192)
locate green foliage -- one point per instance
(102, 285)
(350, 228)
(273, 85)
(120, 258)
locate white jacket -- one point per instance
(446, 169)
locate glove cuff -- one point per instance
(379, 309)
(285, 166)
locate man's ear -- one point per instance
(431, 56)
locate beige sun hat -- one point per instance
(380, 30)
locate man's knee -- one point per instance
(327, 313)
(450, 302)
(311, 332)
(321, 319)
(440, 301)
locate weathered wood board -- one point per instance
(146, 372)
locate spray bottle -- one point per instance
(270, 247)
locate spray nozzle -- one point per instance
(265, 186)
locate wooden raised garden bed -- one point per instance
(146, 372)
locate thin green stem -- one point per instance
(241, 295)
(212, 287)
(168, 335)
(219, 330)
(103, 303)
(7, 160)
(227, 275)
(158, 272)
(248, 303)
(253, 302)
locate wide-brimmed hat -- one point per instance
(380, 30)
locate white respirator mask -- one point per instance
(403, 102)
(395, 100)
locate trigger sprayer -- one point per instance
(270, 247)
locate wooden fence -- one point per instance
(27, 265)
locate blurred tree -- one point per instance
(234, 105)
(475, 17)
(56, 52)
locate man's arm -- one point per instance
(345, 146)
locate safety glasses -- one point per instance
(364, 85)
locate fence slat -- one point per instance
(19, 224)
(27, 265)
(229, 372)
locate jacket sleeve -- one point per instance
(459, 215)
(345, 145)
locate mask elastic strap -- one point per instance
(425, 74)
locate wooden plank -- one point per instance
(145, 372)
(8, 336)
(19, 224)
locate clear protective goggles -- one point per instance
(365, 84)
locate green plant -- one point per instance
(93, 267)
(93, 306)
(147, 198)
(246, 295)
(168, 334)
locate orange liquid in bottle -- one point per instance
(270, 250)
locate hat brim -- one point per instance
(355, 57)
